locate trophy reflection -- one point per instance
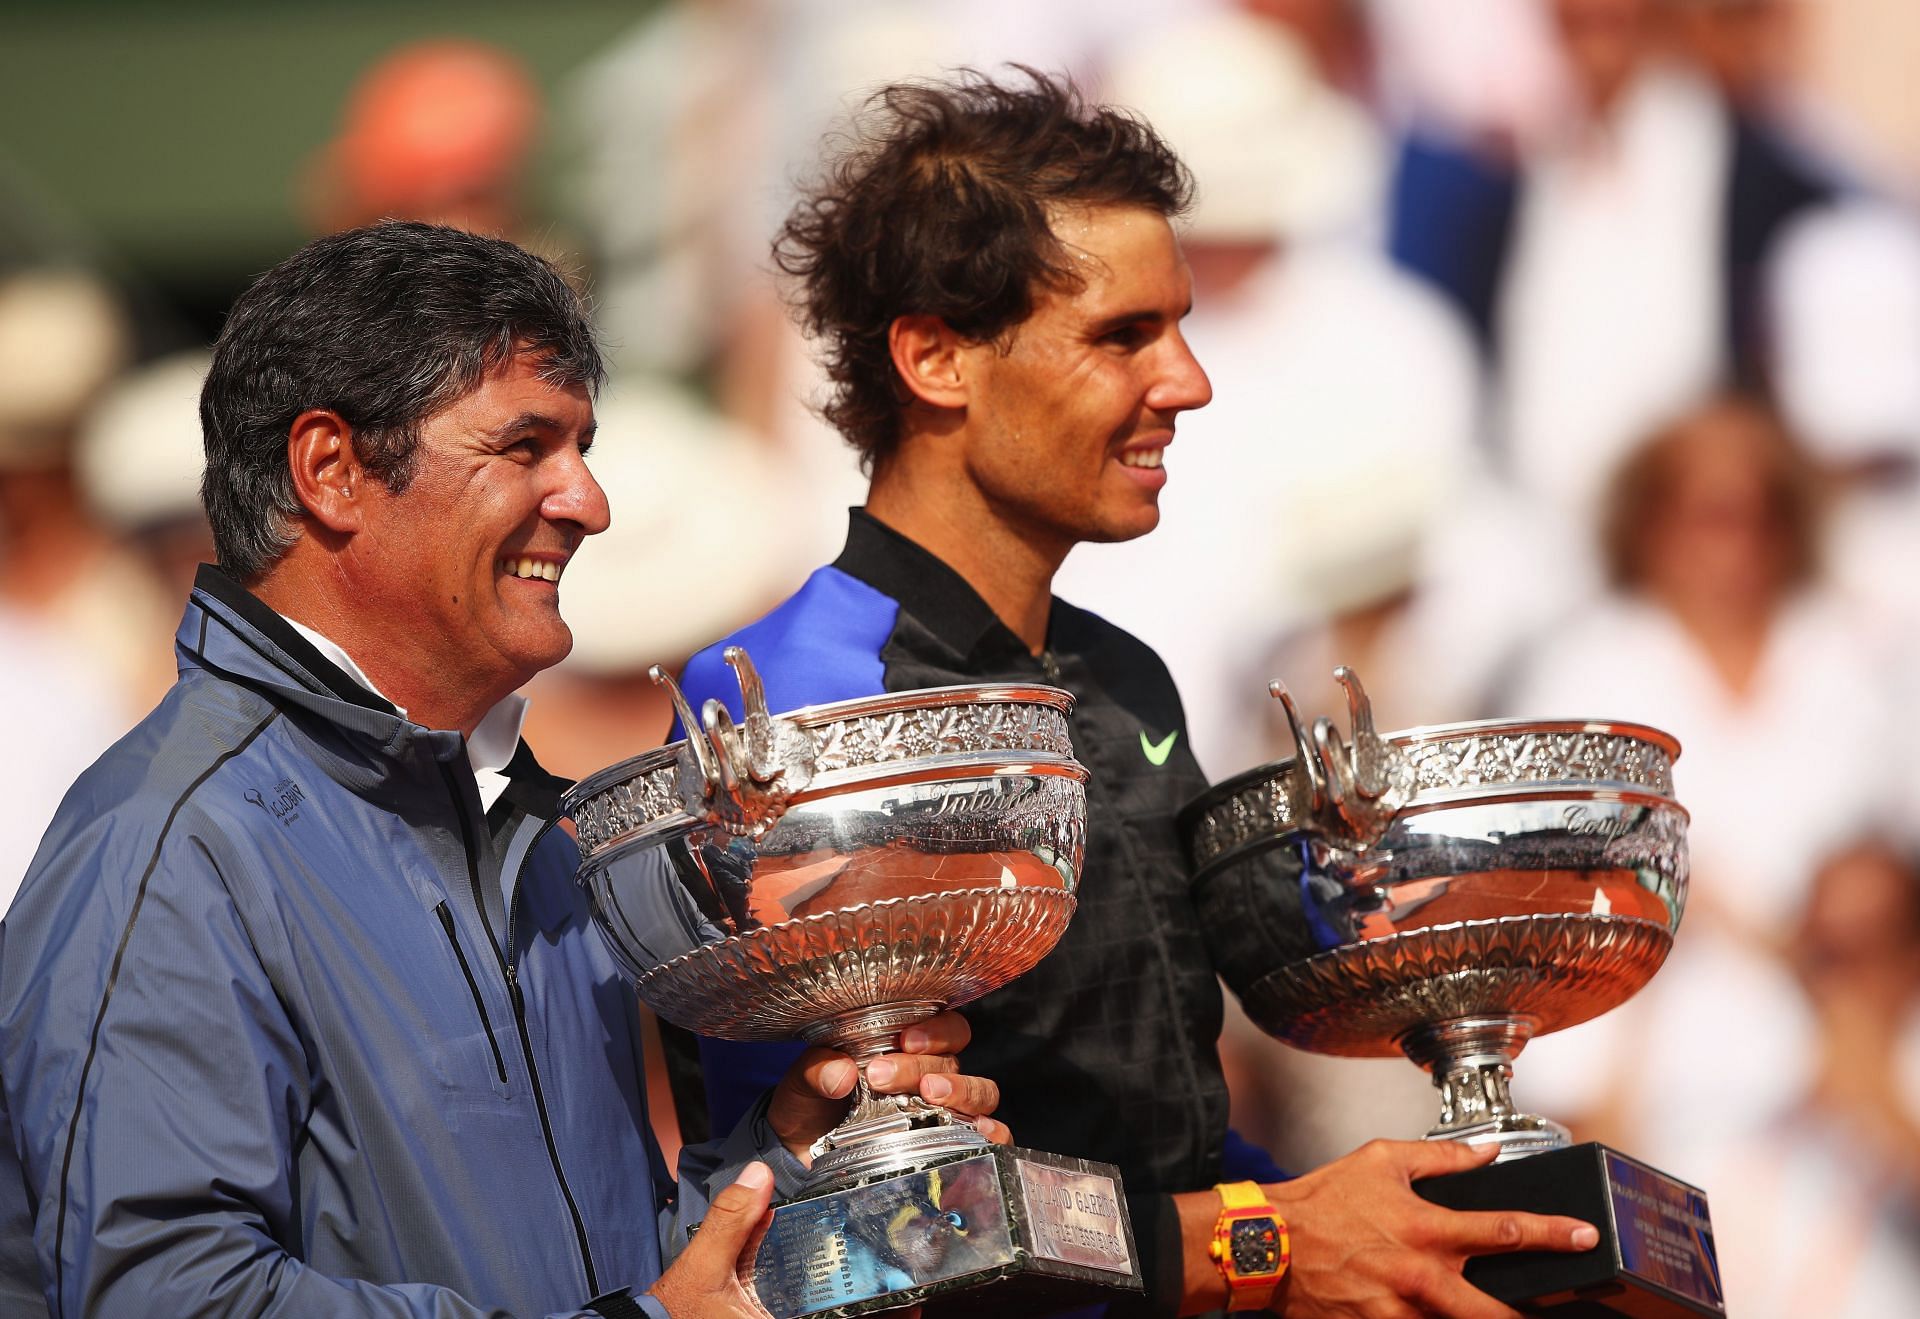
(837, 874)
(1450, 892)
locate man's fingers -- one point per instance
(811, 1096)
(1500, 1233)
(1435, 1158)
(994, 1130)
(973, 1095)
(734, 1214)
(946, 1033)
(935, 1078)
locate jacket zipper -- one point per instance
(520, 1021)
(473, 986)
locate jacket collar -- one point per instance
(931, 592)
(233, 633)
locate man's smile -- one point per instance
(532, 569)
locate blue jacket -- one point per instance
(290, 1026)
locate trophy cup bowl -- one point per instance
(838, 873)
(1450, 892)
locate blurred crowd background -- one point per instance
(1566, 358)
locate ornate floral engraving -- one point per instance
(654, 794)
(627, 806)
(1446, 764)
(1260, 810)
(1517, 758)
(908, 734)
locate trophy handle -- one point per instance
(739, 777)
(1306, 783)
(1350, 791)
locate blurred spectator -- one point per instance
(1334, 33)
(139, 459)
(62, 338)
(438, 131)
(1611, 268)
(1611, 260)
(1857, 58)
(1843, 1161)
(1745, 46)
(1845, 305)
(1488, 76)
(56, 725)
(1721, 630)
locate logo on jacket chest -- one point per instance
(1157, 752)
(282, 803)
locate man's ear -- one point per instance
(931, 360)
(327, 476)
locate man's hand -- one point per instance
(1365, 1244)
(704, 1283)
(812, 1097)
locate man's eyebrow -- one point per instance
(527, 421)
(1120, 320)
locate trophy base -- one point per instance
(1655, 1260)
(1016, 1230)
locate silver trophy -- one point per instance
(1450, 892)
(837, 874)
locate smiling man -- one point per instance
(997, 287)
(301, 1012)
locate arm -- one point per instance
(158, 1090)
(1365, 1244)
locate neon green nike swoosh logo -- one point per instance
(1157, 752)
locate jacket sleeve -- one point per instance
(160, 1146)
(708, 1168)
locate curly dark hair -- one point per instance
(386, 325)
(940, 203)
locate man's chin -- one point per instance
(538, 653)
(1114, 531)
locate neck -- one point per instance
(309, 588)
(1012, 568)
(1731, 631)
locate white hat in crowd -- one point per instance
(702, 535)
(1275, 152)
(63, 336)
(139, 454)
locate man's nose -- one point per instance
(577, 497)
(1183, 383)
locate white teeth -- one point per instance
(1143, 457)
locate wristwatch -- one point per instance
(1250, 1245)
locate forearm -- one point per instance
(1203, 1289)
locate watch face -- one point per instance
(1255, 1245)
